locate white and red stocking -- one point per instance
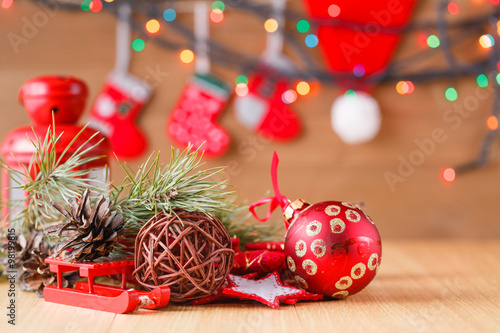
(115, 110)
(359, 46)
(194, 118)
(263, 109)
(122, 98)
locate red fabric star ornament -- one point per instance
(218, 294)
(262, 262)
(307, 296)
(269, 290)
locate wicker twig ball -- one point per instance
(188, 251)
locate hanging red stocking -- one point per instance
(121, 99)
(265, 109)
(360, 45)
(194, 118)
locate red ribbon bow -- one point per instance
(277, 200)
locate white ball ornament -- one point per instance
(356, 117)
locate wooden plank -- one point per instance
(439, 286)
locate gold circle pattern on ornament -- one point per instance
(291, 264)
(358, 271)
(300, 248)
(349, 205)
(309, 267)
(344, 283)
(341, 294)
(337, 225)
(302, 283)
(373, 261)
(352, 215)
(332, 210)
(313, 228)
(318, 247)
(190, 252)
(369, 218)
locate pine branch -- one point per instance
(179, 185)
(182, 184)
(50, 177)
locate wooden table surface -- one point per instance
(422, 286)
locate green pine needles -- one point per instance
(50, 177)
(182, 184)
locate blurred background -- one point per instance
(399, 175)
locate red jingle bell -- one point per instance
(332, 248)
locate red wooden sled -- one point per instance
(101, 297)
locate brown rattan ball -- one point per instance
(191, 253)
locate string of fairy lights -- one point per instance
(153, 17)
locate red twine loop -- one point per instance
(274, 202)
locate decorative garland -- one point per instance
(223, 55)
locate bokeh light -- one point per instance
(405, 87)
(85, 5)
(311, 40)
(449, 175)
(303, 26)
(95, 6)
(241, 89)
(153, 26)
(217, 15)
(453, 8)
(218, 5)
(186, 56)
(482, 80)
(6, 4)
(271, 25)
(138, 45)
(451, 94)
(358, 70)
(241, 79)
(289, 96)
(486, 41)
(333, 10)
(303, 88)
(492, 123)
(350, 93)
(169, 14)
(422, 39)
(433, 41)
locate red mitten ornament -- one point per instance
(332, 247)
(115, 110)
(263, 109)
(193, 120)
(359, 45)
(261, 262)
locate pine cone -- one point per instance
(22, 248)
(33, 273)
(92, 230)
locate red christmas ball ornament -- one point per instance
(332, 247)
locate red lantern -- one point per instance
(65, 98)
